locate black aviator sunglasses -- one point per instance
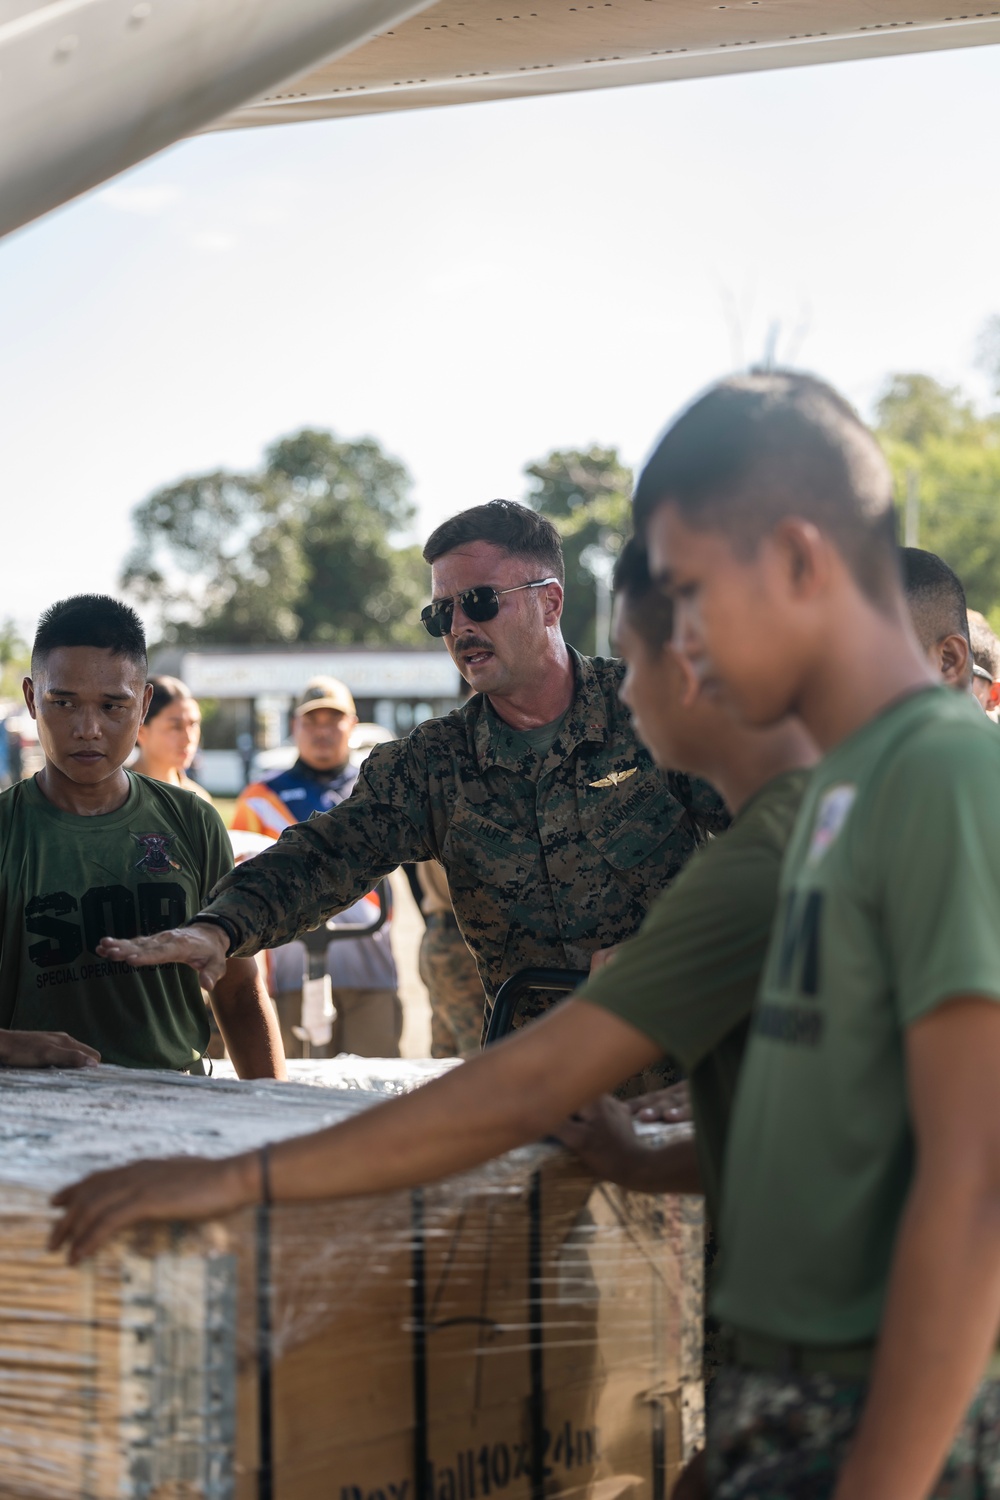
(480, 603)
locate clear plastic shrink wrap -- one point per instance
(517, 1331)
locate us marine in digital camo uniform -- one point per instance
(554, 826)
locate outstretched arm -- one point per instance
(315, 870)
(943, 1307)
(321, 867)
(516, 1092)
(247, 1021)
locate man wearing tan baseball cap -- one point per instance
(369, 1016)
(327, 692)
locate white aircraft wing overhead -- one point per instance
(461, 51)
(90, 87)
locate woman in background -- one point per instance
(168, 741)
(170, 735)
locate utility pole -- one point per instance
(911, 528)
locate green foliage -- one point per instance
(916, 409)
(932, 433)
(587, 496)
(217, 555)
(300, 550)
(15, 658)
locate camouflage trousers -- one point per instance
(449, 971)
(784, 1437)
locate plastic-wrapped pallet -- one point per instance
(516, 1332)
(373, 1075)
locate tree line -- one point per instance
(945, 459)
(305, 548)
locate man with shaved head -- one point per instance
(940, 619)
(87, 848)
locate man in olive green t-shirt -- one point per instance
(860, 1224)
(688, 979)
(67, 881)
(694, 968)
(873, 935)
(88, 850)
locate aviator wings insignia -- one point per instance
(615, 778)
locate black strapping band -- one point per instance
(421, 1465)
(265, 1466)
(536, 1369)
(659, 1450)
(265, 1176)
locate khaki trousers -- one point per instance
(369, 1023)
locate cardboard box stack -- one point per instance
(517, 1331)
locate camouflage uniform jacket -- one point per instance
(542, 871)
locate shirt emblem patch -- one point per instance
(834, 806)
(615, 778)
(155, 858)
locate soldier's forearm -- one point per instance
(314, 871)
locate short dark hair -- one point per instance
(757, 448)
(91, 620)
(935, 597)
(166, 690)
(649, 611)
(517, 529)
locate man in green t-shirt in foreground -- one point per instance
(88, 850)
(689, 978)
(860, 1224)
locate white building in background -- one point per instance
(247, 694)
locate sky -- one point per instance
(476, 285)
